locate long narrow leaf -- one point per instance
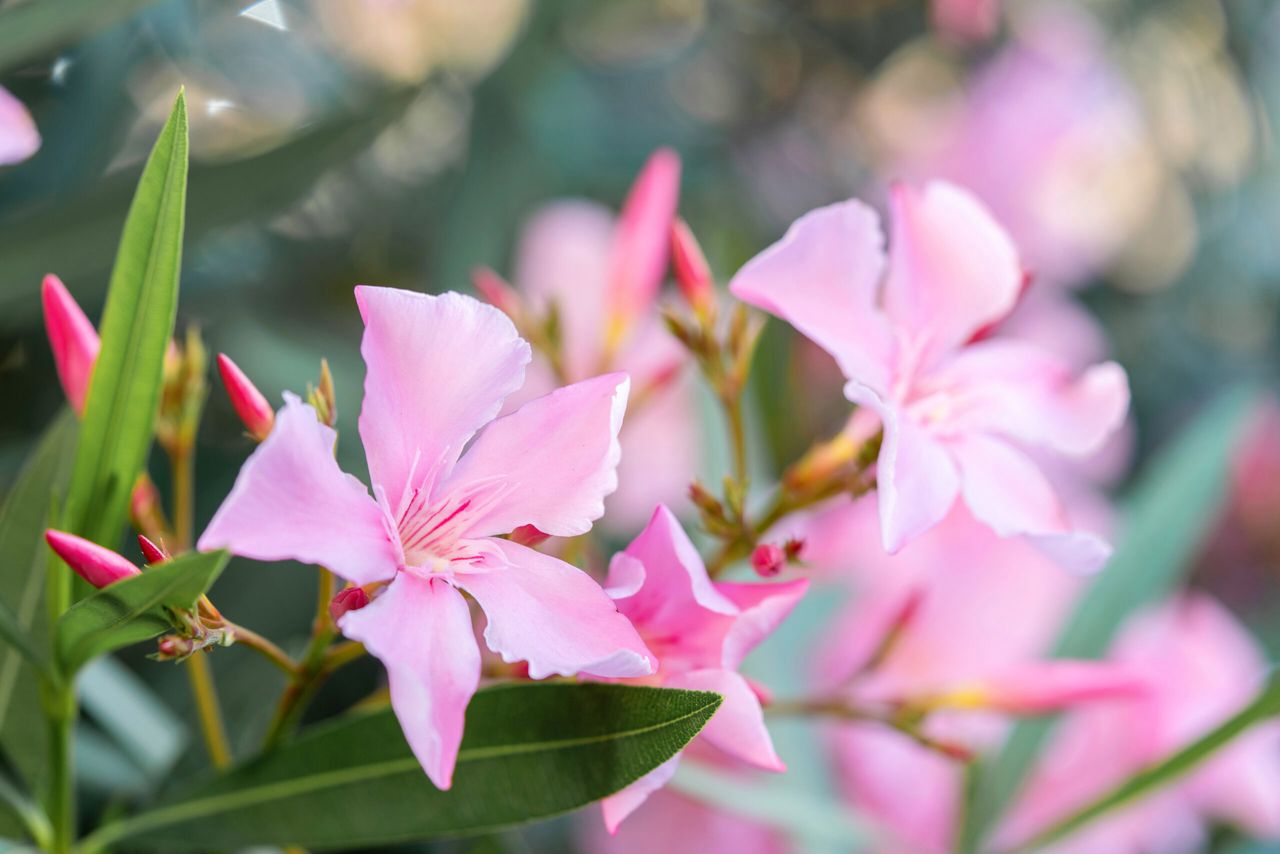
(531, 751)
(1171, 510)
(136, 326)
(31, 29)
(132, 610)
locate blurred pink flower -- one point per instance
(956, 414)
(603, 274)
(19, 138)
(966, 20)
(1201, 666)
(699, 630)
(438, 369)
(1051, 137)
(973, 615)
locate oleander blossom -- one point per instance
(699, 630)
(959, 410)
(438, 370)
(19, 138)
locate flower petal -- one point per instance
(619, 805)
(737, 727)
(19, 138)
(916, 480)
(952, 268)
(761, 609)
(292, 502)
(822, 278)
(638, 259)
(549, 464)
(421, 632)
(438, 369)
(541, 610)
(1007, 492)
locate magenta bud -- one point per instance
(349, 599)
(152, 552)
(174, 646)
(95, 564)
(254, 411)
(72, 338)
(692, 272)
(768, 560)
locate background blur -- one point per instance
(1128, 144)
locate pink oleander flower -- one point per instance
(969, 617)
(96, 564)
(699, 631)
(438, 370)
(19, 138)
(1201, 667)
(958, 416)
(603, 272)
(73, 339)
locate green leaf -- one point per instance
(531, 751)
(24, 559)
(1169, 770)
(1168, 515)
(132, 610)
(29, 30)
(137, 323)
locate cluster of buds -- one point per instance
(769, 559)
(542, 329)
(183, 394)
(322, 396)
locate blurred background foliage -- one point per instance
(403, 143)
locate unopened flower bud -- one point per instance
(692, 272)
(768, 560)
(494, 290)
(72, 338)
(322, 397)
(704, 500)
(254, 411)
(152, 552)
(528, 535)
(174, 647)
(348, 599)
(95, 564)
(794, 548)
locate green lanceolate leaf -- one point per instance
(133, 610)
(24, 561)
(531, 751)
(1167, 771)
(1170, 511)
(29, 30)
(137, 323)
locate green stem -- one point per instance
(62, 794)
(310, 673)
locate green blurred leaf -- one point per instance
(531, 751)
(31, 29)
(24, 559)
(137, 323)
(132, 610)
(129, 711)
(1163, 773)
(1168, 514)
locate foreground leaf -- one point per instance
(30, 29)
(531, 751)
(132, 610)
(1168, 771)
(24, 559)
(137, 323)
(1168, 515)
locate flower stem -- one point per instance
(310, 673)
(61, 709)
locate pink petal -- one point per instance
(541, 610)
(1005, 490)
(19, 138)
(292, 502)
(761, 608)
(553, 461)
(737, 727)
(638, 260)
(1047, 686)
(1021, 391)
(439, 368)
(916, 480)
(822, 278)
(952, 268)
(421, 631)
(619, 805)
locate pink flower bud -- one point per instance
(175, 647)
(1052, 685)
(348, 599)
(254, 411)
(768, 559)
(494, 290)
(528, 535)
(152, 552)
(95, 564)
(72, 338)
(693, 275)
